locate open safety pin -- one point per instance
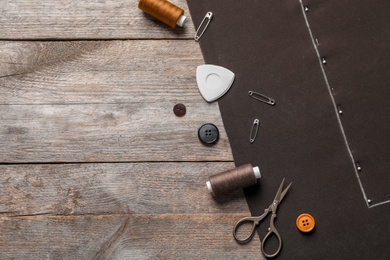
(208, 17)
(254, 130)
(261, 98)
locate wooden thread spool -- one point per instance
(238, 178)
(164, 11)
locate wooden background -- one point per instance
(93, 162)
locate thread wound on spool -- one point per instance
(238, 178)
(163, 11)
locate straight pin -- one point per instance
(339, 109)
(358, 167)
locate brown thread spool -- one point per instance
(238, 178)
(164, 11)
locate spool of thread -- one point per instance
(237, 178)
(163, 11)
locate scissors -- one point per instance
(256, 221)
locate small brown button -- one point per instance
(305, 222)
(179, 110)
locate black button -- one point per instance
(208, 134)
(179, 110)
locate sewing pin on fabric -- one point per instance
(204, 24)
(339, 110)
(358, 167)
(254, 130)
(261, 98)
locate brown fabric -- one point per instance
(268, 46)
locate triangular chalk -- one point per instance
(213, 81)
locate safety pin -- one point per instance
(254, 130)
(207, 17)
(261, 98)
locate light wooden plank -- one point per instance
(99, 72)
(143, 84)
(124, 237)
(108, 133)
(138, 188)
(85, 19)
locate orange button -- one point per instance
(305, 222)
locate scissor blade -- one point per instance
(284, 192)
(278, 193)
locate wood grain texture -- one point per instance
(103, 102)
(86, 19)
(93, 162)
(121, 188)
(124, 237)
(108, 132)
(100, 72)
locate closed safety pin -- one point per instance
(261, 98)
(207, 17)
(254, 130)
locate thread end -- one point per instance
(209, 188)
(256, 170)
(181, 20)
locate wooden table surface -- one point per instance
(94, 164)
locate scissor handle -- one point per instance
(272, 231)
(255, 222)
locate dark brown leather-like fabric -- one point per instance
(268, 46)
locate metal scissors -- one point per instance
(256, 221)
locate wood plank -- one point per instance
(124, 237)
(107, 101)
(108, 133)
(87, 19)
(137, 83)
(99, 72)
(120, 188)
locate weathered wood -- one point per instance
(137, 83)
(108, 133)
(136, 185)
(87, 19)
(121, 188)
(100, 72)
(197, 236)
